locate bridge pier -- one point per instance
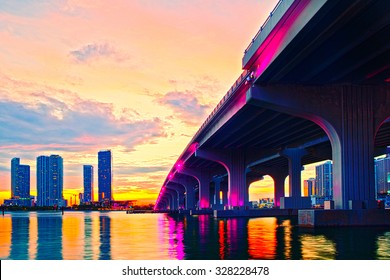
(235, 163)
(180, 193)
(295, 201)
(217, 205)
(204, 178)
(279, 176)
(164, 203)
(350, 115)
(173, 198)
(188, 185)
(225, 190)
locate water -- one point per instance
(115, 235)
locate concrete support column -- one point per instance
(173, 205)
(235, 163)
(350, 115)
(171, 202)
(189, 184)
(163, 204)
(217, 189)
(279, 177)
(204, 192)
(190, 198)
(225, 190)
(166, 204)
(173, 198)
(180, 190)
(181, 203)
(212, 194)
(294, 157)
(238, 191)
(353, 152)
(204, 178)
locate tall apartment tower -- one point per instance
(43, 181)
(104, 175)
(20, 180)
(324, 180)
(50, 174)
(88, 183)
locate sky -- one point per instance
(135, 77)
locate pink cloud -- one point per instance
(186, 106)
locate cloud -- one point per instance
(50, 123)
(94, 51)
(186, 106)
(28, 8)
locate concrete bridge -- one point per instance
(315, 86)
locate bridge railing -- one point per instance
(186, 153)
(277, 13)
(262, 27)
(228, 95)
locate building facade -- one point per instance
(324, 180)
(88, 183)
(50, 174)
(43, 181)
(105, 175)
(20, 183)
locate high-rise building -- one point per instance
(382, 175)
(20, 180)
(56, 179)
(309, 187)
(104, 175)
(50, 174)
(43, 181)
(88, 183)
(324, 180)
(15, 162)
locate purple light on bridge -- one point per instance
(269, 49)
(179, 165)
(193, 147)
(204, 204)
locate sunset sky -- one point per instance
(137, 77)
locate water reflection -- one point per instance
(105, 237)
(350, 243)
(20, 238)
(236, 239)
(88, 235)
(115, 235)
(262, 242)
(73, 237)
(49, 244)
(176, 237)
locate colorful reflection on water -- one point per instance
(115, 235)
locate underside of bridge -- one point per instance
(315, 88)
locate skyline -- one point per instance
(135, 77)
(267, 180)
